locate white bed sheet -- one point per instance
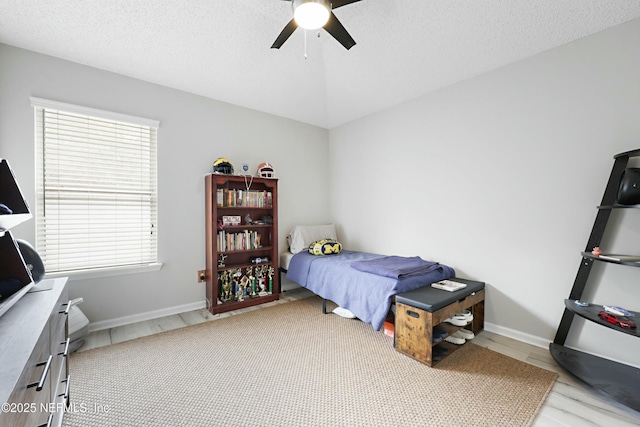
(285, 259)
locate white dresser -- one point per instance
(34, 372)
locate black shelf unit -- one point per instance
(15, 276)
(620, 381)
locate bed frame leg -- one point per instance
(280, 271)
(324, 306)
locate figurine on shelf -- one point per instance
(221, 260)
(247, 219)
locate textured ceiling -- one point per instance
(221, 48)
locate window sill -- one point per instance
(106, 272)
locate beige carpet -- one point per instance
(290, 365)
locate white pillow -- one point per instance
(303, 235)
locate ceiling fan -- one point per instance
(314, 14)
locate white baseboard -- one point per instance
(543, 343)
(517, 335)
(149, 315)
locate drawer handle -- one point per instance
(413, 314)
(47, 367)
(66, 310)
(70, 304)
(66, 390)
(49, 420)
(65, 353)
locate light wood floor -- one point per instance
(570, 403)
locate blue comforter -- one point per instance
(365, 294)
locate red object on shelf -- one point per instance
(621, 321)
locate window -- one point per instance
(96, 188)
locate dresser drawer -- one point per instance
(28, 404)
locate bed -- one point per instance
(363, 283)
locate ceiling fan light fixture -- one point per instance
(311, 14)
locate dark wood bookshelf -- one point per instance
(240, 260)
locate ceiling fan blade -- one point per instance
(339, 3)
(284, 35)
(337, 30)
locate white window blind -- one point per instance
(96, 188)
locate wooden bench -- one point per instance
(420, 310)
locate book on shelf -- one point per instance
(238, 241)
(449, 285)
(226, 198)
(617, 257)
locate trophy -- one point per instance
(260, 271)
(225, 291)
(271, 270)
(237, 273)
(252, 281)
(246, 288)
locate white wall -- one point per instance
(194, 131)
(499, 177)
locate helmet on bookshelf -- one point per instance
(265, 170)
(223, 166)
